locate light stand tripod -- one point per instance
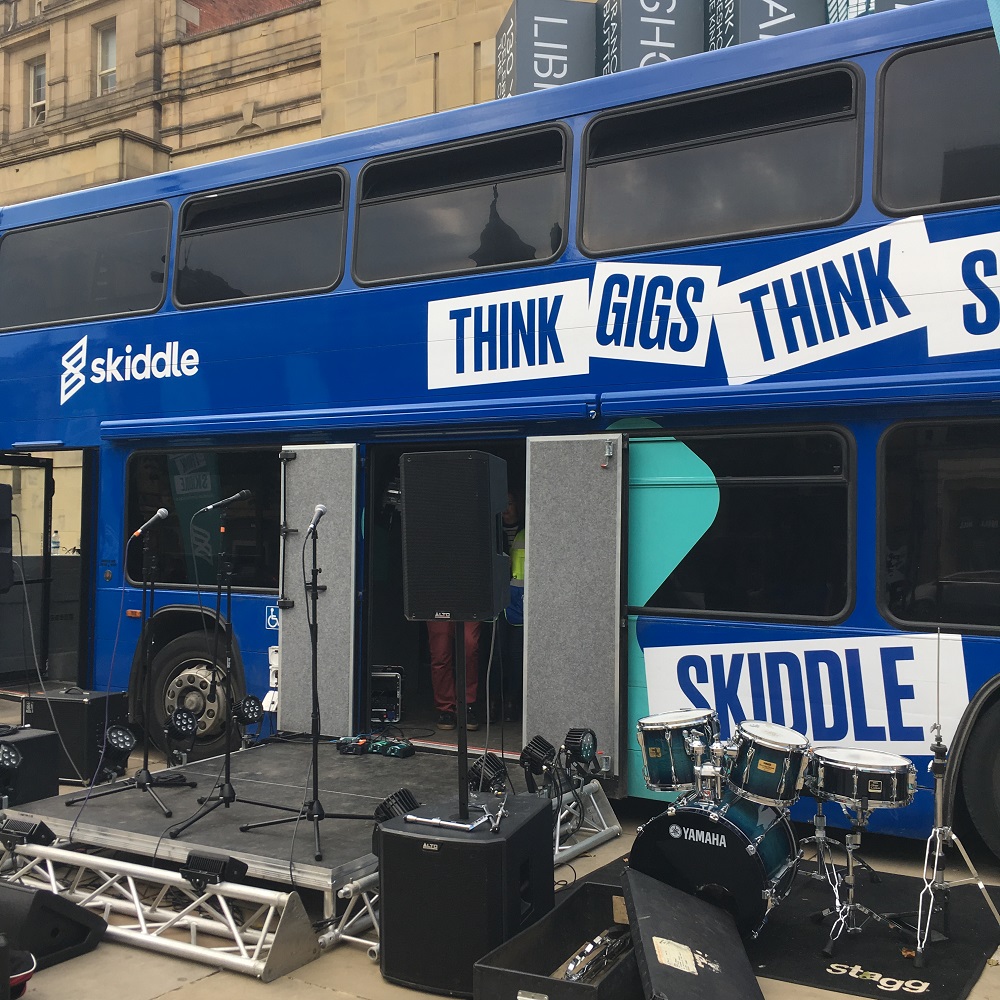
(226, 794)
(143, 780)
(312, 810)
(941, 836)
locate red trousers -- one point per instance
(441, 639)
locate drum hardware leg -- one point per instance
(934, 866)
(848, 911)
(825, 865)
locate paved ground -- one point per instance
(118, 972)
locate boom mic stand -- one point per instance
(143, 780)
(226, 795)
(311, 810)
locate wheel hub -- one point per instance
(191, 688)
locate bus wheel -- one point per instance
(182, 678)
(981, 777)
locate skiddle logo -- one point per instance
(73, 362)
(132, 366)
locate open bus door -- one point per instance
(24, 609)
(311, 475)
(573, 618)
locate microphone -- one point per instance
(158, 516)
(317, 514)
(242, 495)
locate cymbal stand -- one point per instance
(934, 861)
(851, 916)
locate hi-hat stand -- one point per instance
(312, 810)
(143, 779)
(934, 862)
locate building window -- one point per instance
(36, 92)
(107, 61)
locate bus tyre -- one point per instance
(981, 777)
(181, 676)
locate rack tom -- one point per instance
(667, 762)
(767, 763)
(865, 779)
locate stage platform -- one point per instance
(277, 773)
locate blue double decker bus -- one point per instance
(733, 323)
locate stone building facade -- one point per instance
(95, 91)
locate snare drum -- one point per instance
(864, 779)
(666, 761)
(768, 763)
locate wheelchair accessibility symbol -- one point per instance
(271, 616)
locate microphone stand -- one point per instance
(311, 810)
(143, 780)
(226, 795)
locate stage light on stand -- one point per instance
(537, 760)
(581, 747)
(249, 712)
(181, 731)
(119, 742)
(488, 773)
(10, 761)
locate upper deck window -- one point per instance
(99, 265)
(767, 157)
(274, 239)
(479, 205)
(940, 127)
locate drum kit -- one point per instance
(727, 837)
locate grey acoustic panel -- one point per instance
(319, 474)
(572, 592)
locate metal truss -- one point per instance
(581, 817)
(360, 915)
(258, 932)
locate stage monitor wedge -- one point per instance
(51, 927)
(6, 538)
(454, 566)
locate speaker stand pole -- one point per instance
(143, 780)
(313, 810)
(461, 716)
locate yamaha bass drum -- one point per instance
(735, 853)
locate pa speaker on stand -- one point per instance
(454, 566)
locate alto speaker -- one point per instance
(454, 566)
(52, 928)
(448, 897)
(6, 539)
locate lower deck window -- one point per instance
(941, 516)
(187, 543)
(743, 524)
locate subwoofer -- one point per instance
(449, 897)
(52, 928)
(454, 566)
